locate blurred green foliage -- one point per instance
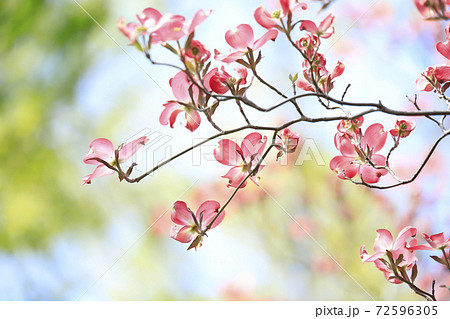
(42, 57)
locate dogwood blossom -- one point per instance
(194, 226)
(244, 159)
(101, 149)
(403, 128)
(220, 81)
(384, 243)
(359, 153)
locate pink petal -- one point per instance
(309, 26)
(344, 144)
(295, 5)
(403, 236)
(442, 73)
(228, 58)
(169, 28)
(228, 153)
(181, 214)
(444, 49)
(198, 18)
(150, 17)
(264, 18)
(338, 70)
(306, 86)
(422, 84)
(100, 148)
(374, 138)
(344, 167)
(326, 23)
(235, 176)
(242, 72)
(180, 87)
(371, 175)
(192, 120)
(269, 35)
(170, 112)
(100, 170)
(241, 38)
(252, 147)
(184, 234)
(209, 210)
(383, 241)
(130, 148)
(207, 78)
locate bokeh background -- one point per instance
(65, 81)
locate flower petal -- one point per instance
(209, 211)
(264, 18)
(235, 176)
(344, 167)
(228, 153)
(403, 236)
(374, 138)
(241, 38)
(100, 148)
(269, 35)
(100, 170)
(170, 113)
(192, 120)
(184, 234)
(130, 148)
(228, 58)
(383, 241)
(181, 214)
(252, 147)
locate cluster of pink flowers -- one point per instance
(394, 258)
(437, 78)
(198, 88)
(316, 77)
(433, 9)
(359, 150)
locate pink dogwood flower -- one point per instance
(269, 21)
(185, 103)
(244, 159)
(103, 150)
(197, 51)
(434, 242)
(433, 77)
(308, 44)
(286, 142)
(403, 128)
(194, 226)
(385, 243)
(324, 30)
(219, 81)
(241, 41)
(357, 152)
